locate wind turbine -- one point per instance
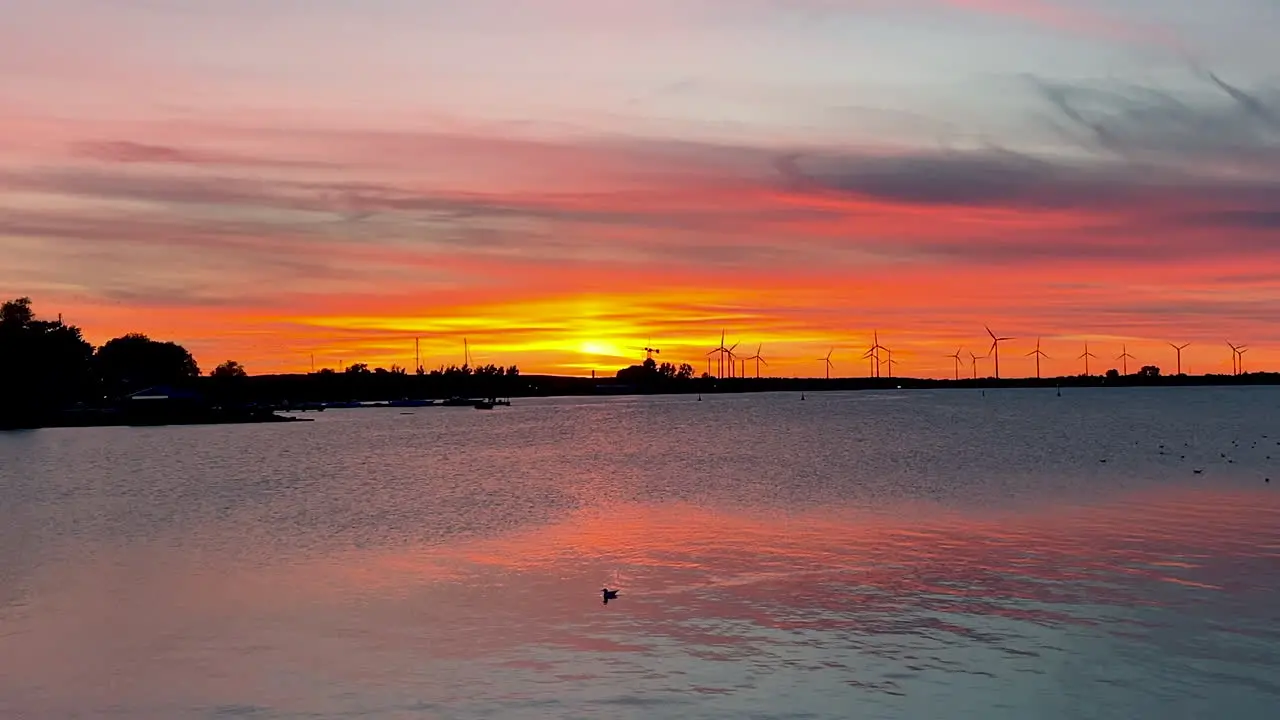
(719, 353)
(827, 362)
(1179, 349)
(1237, 362)
(875, 336)
(732, 357)
(995, 348)
(973, 360)
(890, 362)
(1085, 356)
(1038, 353)
(759, 360)
(1124, 359)
(875, 362)
(959, 362)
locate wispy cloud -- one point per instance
(335, 228)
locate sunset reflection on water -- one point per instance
(410, 579)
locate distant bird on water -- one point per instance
(609, 595)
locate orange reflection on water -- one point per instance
(918, 571)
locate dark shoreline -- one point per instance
(260, 399)
(109, 417)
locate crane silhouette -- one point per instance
(650, 350)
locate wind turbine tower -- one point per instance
(826, 361)
(995, 349)
(1038, 353)
(759, 360)
(1179, 349)
(973, 360)
(1085, 356)
(1124, 359)
(958, 362)
(874, 353)
(889, 361)
(719, 353)
(1237, 358)
(732, 357)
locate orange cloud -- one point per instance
(566, 254)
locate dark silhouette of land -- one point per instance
(50, 376)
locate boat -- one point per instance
(407, 403)
(483, 405)
(456, 401)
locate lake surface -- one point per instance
(872, 555)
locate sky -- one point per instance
(563, 183)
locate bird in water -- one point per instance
(609, 595)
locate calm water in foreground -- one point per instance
(876, 555)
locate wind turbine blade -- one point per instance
(993, 335)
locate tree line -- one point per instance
(46, 365)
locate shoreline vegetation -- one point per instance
(51, 377)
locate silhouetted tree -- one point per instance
(229, 369)
(1149, 371)
(685, 372)
(17, 313)
(43, 364)
(1113, 374)
(358, 369)
(134, 362)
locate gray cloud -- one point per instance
(1224, 128)
(1148, 164)
(125, 151)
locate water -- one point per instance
(873, 555)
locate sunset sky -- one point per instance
(560, 180)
